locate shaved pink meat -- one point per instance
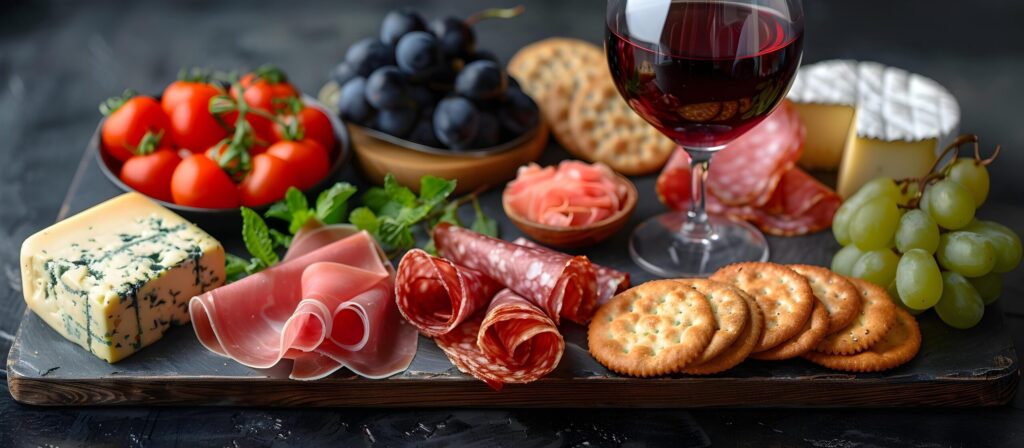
(609, 281)
(315, 235)
(436, 295)
(319, 303)
(560, 285)
(513, 342)
(574, 194)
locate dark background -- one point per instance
(58, 60)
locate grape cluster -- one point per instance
(927, 247)
(428, 83)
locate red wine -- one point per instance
(703, 73)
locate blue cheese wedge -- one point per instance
(114, 278)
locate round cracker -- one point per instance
(652, 329)
(731, 314)
(870, 325)
(834, 291)
(542, 65)
(900, 344)
(607, 130)
(557, 105)
(740, 349)
(784, 296)
(814, 331)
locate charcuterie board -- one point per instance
(976, 367)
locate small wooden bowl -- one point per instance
(576, 237)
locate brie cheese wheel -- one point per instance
(867, 120)
(114, 278)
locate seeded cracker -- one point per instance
(834, 291)
(875, 318)
(784, 296)
(740, 349)
(813, 333)
(653, 329)
(900, 344)
(730, 310)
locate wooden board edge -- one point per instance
(992, 390)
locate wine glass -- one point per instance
(703, 72)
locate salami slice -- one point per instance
(748, 169)
(609, 281)
(436, 295)
(562, 287)
(513, 342)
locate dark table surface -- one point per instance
(59, 60)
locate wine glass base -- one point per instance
(660, 246)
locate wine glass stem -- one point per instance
(697, 226)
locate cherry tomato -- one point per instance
(181, 91)
(200, 182)
(267, 181)
(262, 130)
(151, 174)
(193, 126)
(315, 125)
(130, 121)
(307, 158)
(265, 85)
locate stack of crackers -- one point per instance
(570, 81)
(753, 310)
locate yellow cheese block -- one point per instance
(114, 278)
(829, 127)
(867, 158)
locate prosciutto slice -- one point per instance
(436, 295)
(325, 309)
(513, 342)
(609, 281)
(561, 285)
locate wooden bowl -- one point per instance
(379, 154)
(576, 237)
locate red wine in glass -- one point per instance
(715, 71)
(702, 72)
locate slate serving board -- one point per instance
(977, 367)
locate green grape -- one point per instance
(972, 175)
(876, 266)
(879, 186)
(911, 193)
(894, 294)
(923, 203)
(1006, 242)
(967, 253)
(950, 204)
(843, 261)
(918, 279)
(989, 286)
(874, 224)
(960, 306)
(917, 231)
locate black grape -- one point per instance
(481, 80)
(423, 130)
(352, 105)
(422, 98)
(418, 54)
(483, 55)
(399, 23)
(386, 88)
(343, 73)
(397, 122)
(488, 132)
(457, 38)
(455, 122)
(518, 113)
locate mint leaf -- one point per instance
(450, 215)
(332, 204)
(257, 237)
(434, 190)
(364, 219)
(234, 267)
(279, 210)
(397, 193)
(483, 223)
(299, 219)
(280, 239)
(295, 200)
(375, 198)
(396, 235)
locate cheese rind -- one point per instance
(114, 278)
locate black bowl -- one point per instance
(229, 219)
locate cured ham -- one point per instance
(513, 342)
(748, 170)
(609, 281)
(325, 309)
(573, 194)
(436, 295)
(561, 285)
